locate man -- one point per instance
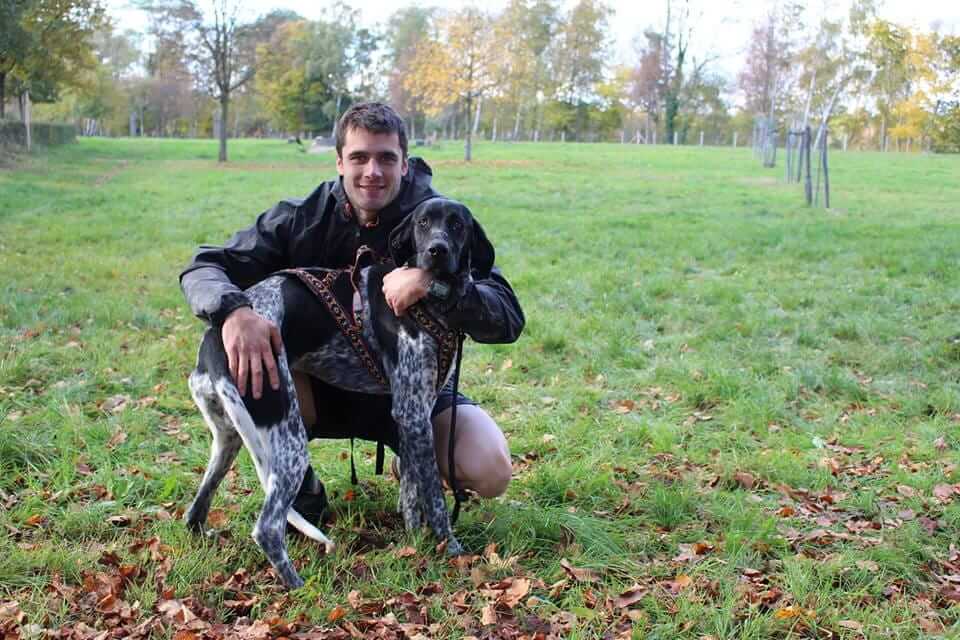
(378, 186)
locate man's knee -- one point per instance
(482, 457)
(491, 475)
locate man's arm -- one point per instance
(213, 284)
(214, 280)
(489, 311)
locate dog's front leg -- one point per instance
(421, 493)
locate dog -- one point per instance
(441, 236)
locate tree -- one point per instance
(406, 29)
(648, 79)
(460, 65)
(45, 46)
(524, 32)
(219, 45)
(580, 56)
(307, 67)
(765, 76)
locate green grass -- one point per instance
(816, 351)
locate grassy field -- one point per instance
(731, 416)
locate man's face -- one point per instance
(372, 165)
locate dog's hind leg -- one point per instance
(223, 450)
(289, 462)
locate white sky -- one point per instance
(723, 28)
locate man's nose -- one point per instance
(373, 169)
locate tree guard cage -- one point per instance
(799, 145)
(765, 140)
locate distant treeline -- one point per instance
(534, 71)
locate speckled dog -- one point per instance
(438, 236)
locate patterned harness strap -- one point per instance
(350, 326)
(446, 340)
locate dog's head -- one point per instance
(442, 237)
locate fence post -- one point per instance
(676, 135)
(734, 139)
(701, 138)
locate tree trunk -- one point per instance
(476, 117)
(224, 110)
(333, 131)
(493, 137)
(467, 150)
(26, 119)
(516, 126)
(3, 93)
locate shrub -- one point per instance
(14, 133)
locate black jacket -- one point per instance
(318, 232)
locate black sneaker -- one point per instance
(311, 501)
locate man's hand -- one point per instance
(247, 339)
(404, 287)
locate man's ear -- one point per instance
(401, 241)
(481, 255)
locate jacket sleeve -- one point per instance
(489, 311)
(214, 280)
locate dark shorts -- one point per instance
(348, 414)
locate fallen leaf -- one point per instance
(631, 596)
(337, 613)
(853, 625)
(488, 615)
(868, 565)
(580, 575)
(907, 491)
(218, 518)
(115, 404)
(405, 552)
(944, 492)
(624, 406)
(118, 438)
(745, 480)
(36, 520)
(679, 583)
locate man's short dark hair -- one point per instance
(375, 117)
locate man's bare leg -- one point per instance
(305, 398)
(481, 453)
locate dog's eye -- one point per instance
(423, 222)
(456, 225)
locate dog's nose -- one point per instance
(437, 250)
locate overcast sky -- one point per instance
(723, 27)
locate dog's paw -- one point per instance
(194, 524)
(454, 548)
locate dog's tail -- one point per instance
(309, 530)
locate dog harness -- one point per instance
(335, 287)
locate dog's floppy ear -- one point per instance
(401, 241)
(481, 254)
